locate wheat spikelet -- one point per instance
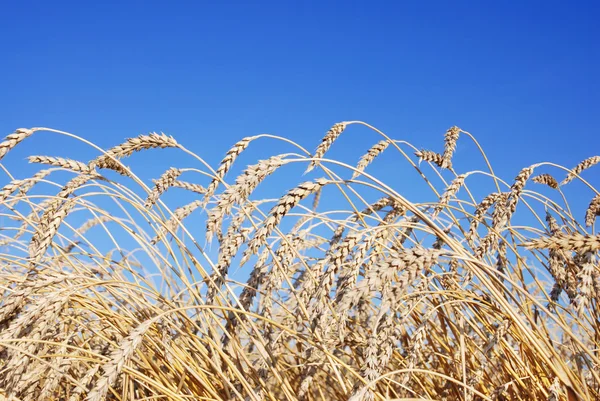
(142, 142)
(130, 146)
(377, 206)
(333, 262)
(580, 243)
(234, 239)
(285, 204)
(367, 211)
(412, 260)
(546, 179)
(450, 191)
(229, 250)
(387, 329)
(370, 370)
(13, 303)
(489, 243)
(439, 241)
(517, 188)
(553, 226)
(199, 189)
(230, 157)
(480, 211)
(9, 188)
(165, 181)
(92, 223)
(450, 139)
(585, 288)
(118, 359)
(432, 157)
(346, 284)
(555, 292)
(401, 269)
(415, 350)
(501, 259)
(592, 211)
(238, 193)
(282, 267)
(584, 165)
(35, 324)
(42, 238)
(368, 158)
(53, 216)
(501, 214)
(571, 284)
(30, 182)
(331, 135)
(316, 200)
(60, 367)
(69, 164)
(256, 278)
(382, 233)
(110, 164)
(556, 261)
(54, 213)
(42, 225)
(77, 182)
(13, 140)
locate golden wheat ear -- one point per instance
(13, 140)
(330, 137)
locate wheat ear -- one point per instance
(13, 140)
(331, 135)
(546, 179)
(584, 165)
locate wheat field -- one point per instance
(298, 276)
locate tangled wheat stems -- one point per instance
(196, 282)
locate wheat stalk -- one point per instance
(178, 216)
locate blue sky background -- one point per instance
(510, 72)
(520, 75)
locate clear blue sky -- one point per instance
(515, 73)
